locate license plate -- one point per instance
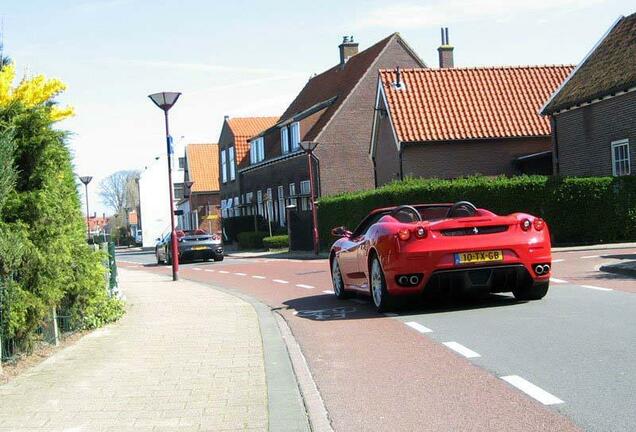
(199, 247)
(478, 257)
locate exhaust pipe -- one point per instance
(403, 280)
(414, 280)
(546, 268)
(538, 269)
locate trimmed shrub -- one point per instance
(251, 240)
(276, 242)
(234, 225)
(579, 210)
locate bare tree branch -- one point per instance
(118, 191)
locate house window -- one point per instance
(281, 205)
(178, 191)
(237, 211)
(257, 150)
(181, 163)
(223, 167)
(270, 209)
(259, 201)
(292, 194)
(223, 212)
(620, 158)
(305, 200)
(231, 162)
(295, 136)
(248, 200)
(284, 140)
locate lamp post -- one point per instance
(165, 101)
(86, 180)
(309, 147)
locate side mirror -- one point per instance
(340, 232)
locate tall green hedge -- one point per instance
(579, 210)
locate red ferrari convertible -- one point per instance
(418, 249)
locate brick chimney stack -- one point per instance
(348, 48)
(445, 51)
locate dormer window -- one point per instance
(257, 150)
(284, 140)
(295, 136)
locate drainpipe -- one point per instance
(401, 167)
(556, 168)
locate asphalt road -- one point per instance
(562, 363)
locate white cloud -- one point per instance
(441, 12)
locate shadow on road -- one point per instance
(326, 307)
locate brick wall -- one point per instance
(584, 135)
(458, 159)
(344, 143)
(231, 188)
(387, 157)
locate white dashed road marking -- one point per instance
(223, 271)
(240, 274)
(557, 261)
(305, 286)
(280, 281)
(328, 292)
(461, 349)
(597, 288)
(555, 280)
(209, 270)
(258, 277)
(532, 390)
(197, 268)
(590, 256)
(418, 327)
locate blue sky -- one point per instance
(251, 57)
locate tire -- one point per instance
(531, 290)
(159, 261)
(377, 285)
(337, 281)
(168, 258)
(218, 258)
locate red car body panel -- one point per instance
(436, 253)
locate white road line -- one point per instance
(555, 280)
(532, 390)
(557, 261)
(280, 281)
(259, 277)
(419, 327)
(197, 268)
(461, 349)
(223, 271)
(597, 288)
(328, 292)
(590, 256)
(240, 274)
(390, 314)
(359, 301)
(305, 286)
(209, 270)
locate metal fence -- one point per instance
(58, 325)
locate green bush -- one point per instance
(251, 240)
(276, 242)
(579, 210)
(234, 225)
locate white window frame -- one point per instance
(231, 162)
(281, 206)
(621, 165)
(292, 193)
(295, 136)
(248, 200)
(284, 140)
(223, 211)
(259, 202)
(305, 189)
(269, 206)
(223, 167)
(237, 210)
(257, 150)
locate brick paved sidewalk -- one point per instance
(185, 357)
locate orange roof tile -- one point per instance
(471, 103)
(203, 167)
(244, 128)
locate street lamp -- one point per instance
(86, 180)
(309, 147)
(165, 101)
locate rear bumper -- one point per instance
(215, 251)
(439, 272)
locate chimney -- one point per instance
(445, 51)
(348, 48)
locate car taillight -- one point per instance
(215, 237)
(404, 234)
(525, 224)
(539, 224)
(420, 232)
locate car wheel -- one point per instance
(218, 258)
(379, 294)
(336, 279)
(169, 258)
(531, 291)
(159, 261)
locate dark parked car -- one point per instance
(192, 244)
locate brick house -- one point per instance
(335, 109)
(233, 152)
(453, 122)
(593, 113)
(200, 203)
